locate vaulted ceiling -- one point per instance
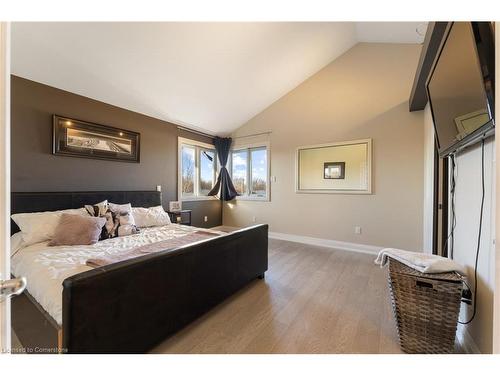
(208, 76)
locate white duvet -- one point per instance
(46, 267)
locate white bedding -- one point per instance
(46, 267)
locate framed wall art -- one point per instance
(83, 139)
(335, 168)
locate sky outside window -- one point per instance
(259, 172)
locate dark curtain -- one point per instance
(224, 183)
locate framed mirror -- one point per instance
(339, 167)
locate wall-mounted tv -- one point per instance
(461, 86)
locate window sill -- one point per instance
(249, 198)
(195, 199)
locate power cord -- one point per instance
(478, 238)
(453, 216)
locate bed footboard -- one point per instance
(131, 306)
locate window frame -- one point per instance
(198, 147)
(254, 146)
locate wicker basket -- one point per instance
(426, 307)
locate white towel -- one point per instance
(425, 263)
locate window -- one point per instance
(197, 169)
(240, 171)
(188, 169)
(207, 171)
(258, 176)
(250, 172)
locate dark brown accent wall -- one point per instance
(34, 168)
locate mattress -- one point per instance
(46, 267)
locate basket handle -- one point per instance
(423, 284)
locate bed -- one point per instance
(132, 305)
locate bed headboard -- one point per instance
(53, 201)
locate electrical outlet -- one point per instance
(254, 219)
(357, 230)
(158, 187)
(205, 219)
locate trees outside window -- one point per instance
(198, 171)
(250, 172)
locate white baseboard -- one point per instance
(339, 245)
(466, 341)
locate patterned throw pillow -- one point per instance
(119, 219)
(98, 209)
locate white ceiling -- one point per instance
(208, 76)
(391, 32)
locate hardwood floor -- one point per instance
(313, 300)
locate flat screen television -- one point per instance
(461, 86)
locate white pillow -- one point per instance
(16, 243)
(40, 226)
(150, 217)
(120, 208)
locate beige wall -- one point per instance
(362, 94)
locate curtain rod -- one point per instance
(253, 135)
(194, 131)
(179, 127)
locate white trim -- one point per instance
(5, 330)
(466, 341)
(496, 253)
(368, 190)
(248, 147)
(192, 142)
(251, 145)
(196, 145)
(196, 199)
(323, 242)
(252, 198)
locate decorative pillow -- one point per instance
(119, 219)
(120, 208)
(150, 217)
(77, 230)
(98, 209)
(126, 220)
(127, 224)
(40, 226)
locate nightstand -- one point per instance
(180, 217)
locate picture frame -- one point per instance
(310, 162)
(174, 206)
(77, 138)
(334, 170)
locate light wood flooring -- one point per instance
(313, 300)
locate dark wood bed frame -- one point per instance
(133, 305)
